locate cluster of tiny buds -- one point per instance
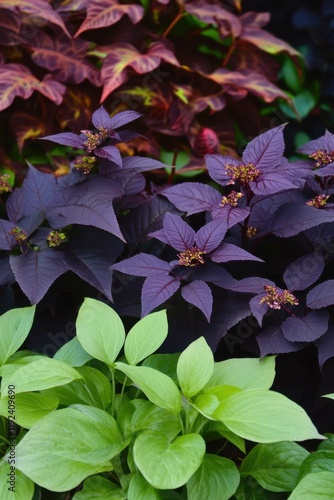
(243, 173)
(18, 234)
(322, 157)
(55, 238)
(5, 187)
(251, 231)
(93, 140)
(191, 257)
(231, 199)
(319, 201)
(275, 297)
(84, 163)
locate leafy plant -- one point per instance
(124, 427)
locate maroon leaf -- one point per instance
(211, 235)
(304, 271)
(266, 41)
(178, 233)
(215, 13)
(143, 264)
(306, 329)
(36, 271)
(193, 197)
(37, 10)
(156, 290)
(321, 296)
(17, 80)
(124, 55)
(272, 341)
(198, 294)
(65, 58)
(102, 13)
(227, 252)
(266, 150)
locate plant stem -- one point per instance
(172, 24)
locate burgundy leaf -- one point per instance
(216, 167)
(199, 294)
(193, 197)
(325, 346)
(102, 119)
(306, 329)
(266, 150)
(211, 235)
(111, 153)
(156, 290)
(232, 215)
(102, 13)
(272, 341)
(143, 264)
(321, 296)
(178, 233)
(36, 271)
(304, 271)
(214, 13)
(36, 10)
(227, 252)
(292, 219)
(66, 139)
(258, 310)
(266, 41)
(271, 183)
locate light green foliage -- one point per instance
(73, 353)
(315, 486)
(14, 329)
(195, 367)
(24, 487)
(101, 488)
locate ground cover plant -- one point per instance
(59, 60)
(110, 409)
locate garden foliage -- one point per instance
(127, 423)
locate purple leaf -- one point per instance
(156, 290)
(292, 219)
(136, 164)
(266, 151)
(325, 346)
(6, 273)
(216, 167)
(7, 242)
(88, 203)
(251, 285)
(227, 252)
(304, 271)
(102, 119)
(36, 271)
(111, 153)
(321, 296)
(324, 171)
(271, 183)
(325, 143)
(272, 341)
(66, 139)
(193, 197)
(178, 233)
(143, 264)
(199, 294)
(216, 275)
(306, 329)
(232, 215)
(258, 310)
(210, 236)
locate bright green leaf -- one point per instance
(265, 417)
(329, 396)
(23, 486)
(149, 416)
(15, 326)
(209, 400)
(195, 367)
(275, 466)
(38, 375)
(221, 429)
(217, 478)
(140, 488)
(168, 465)
(101, 488)
(318, 461)
(158, 387)
(164, 363)
(145, 337)
(73, 353)
(245, 373)
(100, 330)
(317, 486)
(67, 446)
(29, 408)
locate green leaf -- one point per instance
(265, 417)
(329, 396)
(149, 416)
(221, 429)
(245, 373)
(291, 75)
(145, 337)
(29, 408)
(209, 400)
(317, 486)
(15, 326)
(140, 488)
(158, 387)
(101, 488)
(217, 478)
(73, 353)
(249, 489)
(38, 375)
(195, 367)
(275, 466)
(303, 104)
(7, 370)
(168, 465)
(318, 461)
(67, 446)
(164, 363)
(100, 330)
(23, 486)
